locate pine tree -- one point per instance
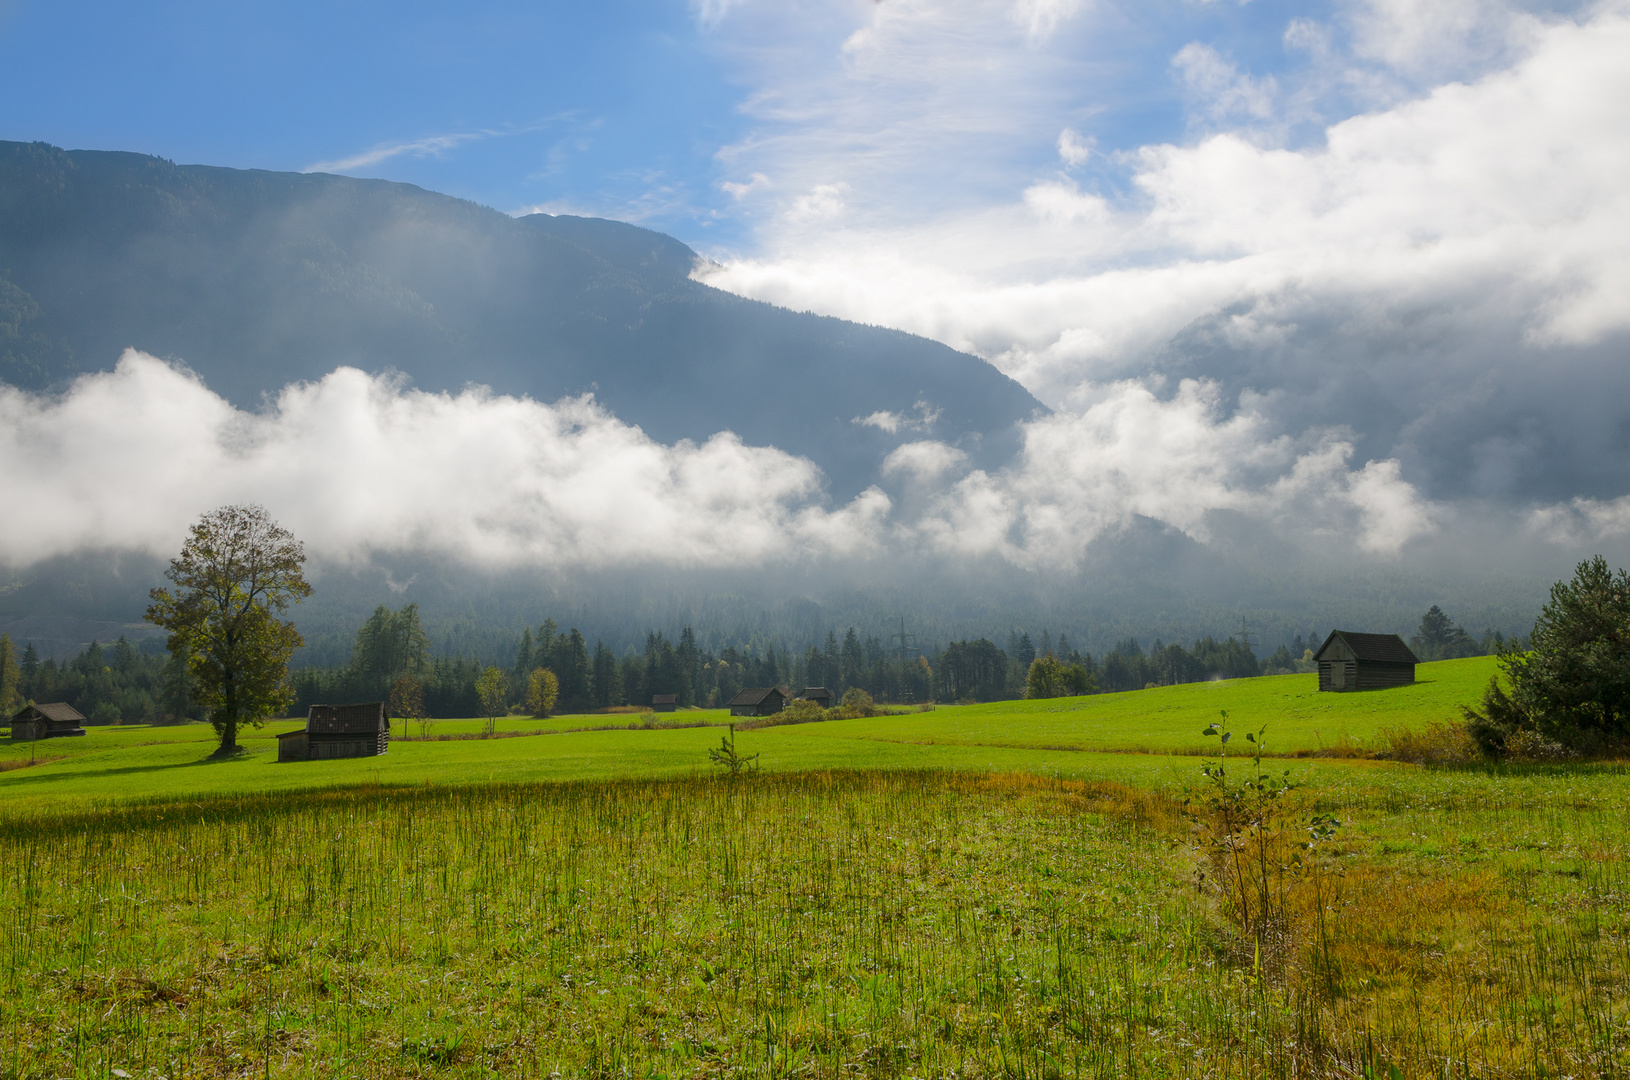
(690, 662)
(607, 684)
(30, 669)
(853, 660)
(572, 669)
(11, 677)
(523, 657)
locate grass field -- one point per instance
(1055, 737)
(976, 891)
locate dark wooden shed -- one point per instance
(758, 701)
(1353, 661)
(820, 695)
(338, 731)
(54, 721)
(664, 702)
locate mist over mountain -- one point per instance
(256, 280)
(402, 379)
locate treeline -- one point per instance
(117, 684)
(391, 660)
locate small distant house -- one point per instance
(664, 702)
(1352, 661)
(820, 695)
(338, 731)
(758, 701)
(53, 721)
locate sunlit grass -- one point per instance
(891, 924)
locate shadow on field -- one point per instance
(13, 781)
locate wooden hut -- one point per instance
(820, 695)
(338, 731)
(54, 721)
(664, 702)
(758, 701)
(1353, 661)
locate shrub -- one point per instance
(1440, 743)
(802, 712)
(856, 702)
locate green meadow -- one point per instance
(1061, 736)
(1014, 889)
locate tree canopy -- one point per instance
(1571, 689)
(237, 571)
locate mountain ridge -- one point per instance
(256, 279)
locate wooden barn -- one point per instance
(53, 721)
(664, 702)
(758, 701)
(820, 695)
(338, 731)
(1352, 661)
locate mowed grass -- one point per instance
(1061, 736)
(797, 924)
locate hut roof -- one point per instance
(753, 695)
(58, 711)
(664, 699)
(1385, 648)
(368, 717)
(816, 693)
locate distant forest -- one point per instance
(123, 683)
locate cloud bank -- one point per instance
(356, 464)
(1434, 280)
(359, 465)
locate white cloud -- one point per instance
(1132, 454)
(1582, 521)
(355, 464)
(1040, 18)
(922, 418)
(925, 459)
(1439, 275)
(823, 202)
(737, 190)
(1073, 150)
(883, 420)
(1219, 90)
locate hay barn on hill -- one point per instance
(664, 702)
(53, 721)
(820, 695)
(758, 701)
(1353, 661)
(338, 731)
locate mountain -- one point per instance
(257, 279)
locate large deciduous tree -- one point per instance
(237, 572)
(1572, 686)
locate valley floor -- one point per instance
(975, 891)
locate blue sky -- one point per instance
(632, 109)
(1349, 268)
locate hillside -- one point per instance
(257, 279)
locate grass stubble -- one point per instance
(817, 924)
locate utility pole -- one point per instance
(1245, 635)
(903, 638)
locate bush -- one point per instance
(856, 702)
(801, 712)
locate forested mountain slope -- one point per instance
(256, 279)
